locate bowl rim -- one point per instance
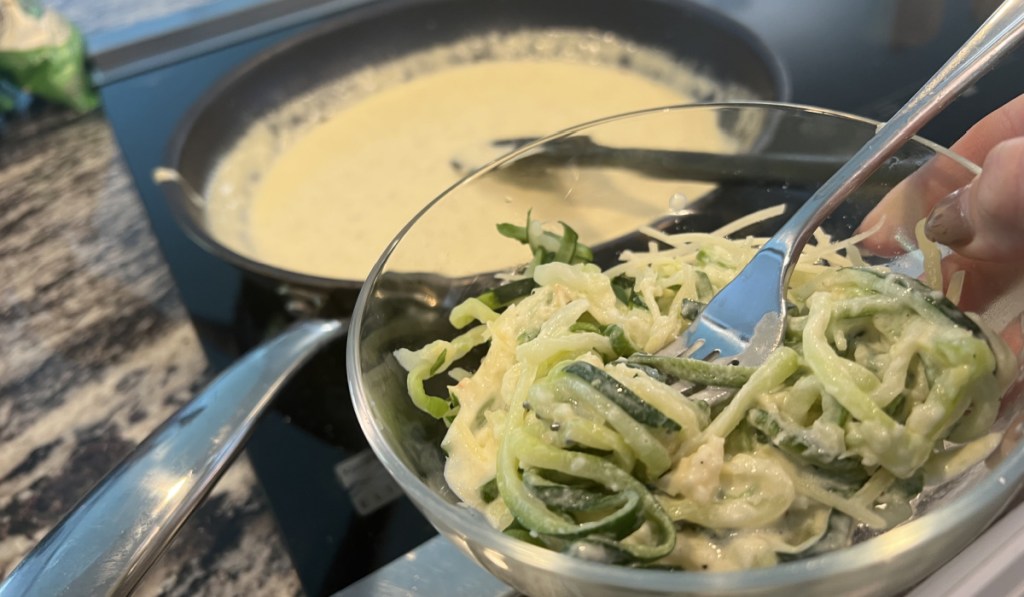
(991, 494)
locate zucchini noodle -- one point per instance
(572, 434)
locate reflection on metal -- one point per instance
(114, 535)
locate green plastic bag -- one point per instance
(43, 54)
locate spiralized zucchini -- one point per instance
(572, 435)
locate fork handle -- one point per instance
(996, 36)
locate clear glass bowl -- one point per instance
(680, 168)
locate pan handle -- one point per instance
(111, 538)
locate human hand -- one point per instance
(982, 219)
(985, 220)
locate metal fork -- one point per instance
(745, 321)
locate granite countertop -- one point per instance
(98, 349)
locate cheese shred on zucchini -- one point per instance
(570, 432)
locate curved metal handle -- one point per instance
(996, 36)
(111, 538)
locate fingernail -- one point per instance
(948, 224)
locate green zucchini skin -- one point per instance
(696, 371)
(506, 294)
(921, 296)
(622, 396)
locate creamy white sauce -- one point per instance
(326, 199)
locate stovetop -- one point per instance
(340, 514)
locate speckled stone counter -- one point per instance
(96, 351)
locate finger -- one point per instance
(987, 284)
(1013, 335)
(912, 199)
(1007, 122)
(985, 220)
(893, 220)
